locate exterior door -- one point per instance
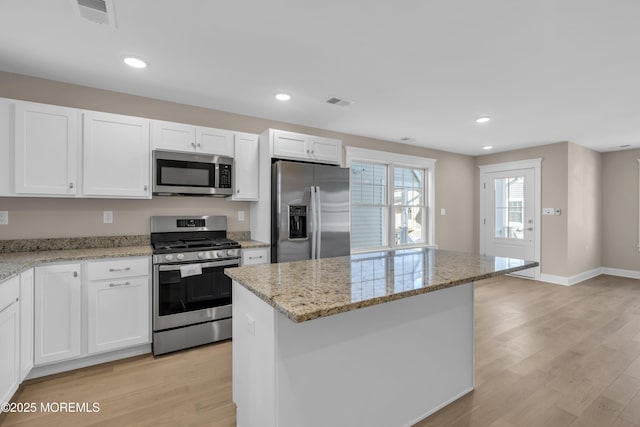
(509, 220)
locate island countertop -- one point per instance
(306, 290)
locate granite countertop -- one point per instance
(19, 255)
(15, 262)
(306, 290)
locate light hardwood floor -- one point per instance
(546, 355)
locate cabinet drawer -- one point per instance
(255, 256)
(9, 292)
(113, 269)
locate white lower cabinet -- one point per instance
(117, 313)
(92, 307)
(9, 338)
(255, 256)
(26, 323)
(58, 308)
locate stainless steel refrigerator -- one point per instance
(310, 211)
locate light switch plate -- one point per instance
(4, 217)
(107, 217)
(240, 215)
(443, 211)
(547, 211)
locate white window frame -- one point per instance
(638, 204)
(365, 155)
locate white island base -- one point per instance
(386, 365)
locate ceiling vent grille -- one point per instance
(337, 101)
(98, 11)
(406, 139)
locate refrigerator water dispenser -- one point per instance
(297, 222)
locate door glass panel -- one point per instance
(509, 208)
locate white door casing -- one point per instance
(510, 211)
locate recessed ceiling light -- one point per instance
(487, 147)
(283, 96)
(134, 62)
(484, 119)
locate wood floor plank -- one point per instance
(546, 355)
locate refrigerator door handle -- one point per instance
(319, 226)
(313, 221)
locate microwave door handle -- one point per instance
(312, 199)
(319, 227)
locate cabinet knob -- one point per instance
(75, 274)
(146, 187)
(199, 145)
(238, 190)
(193, 144)
(71, 185)
(308, 151)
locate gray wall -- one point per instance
(620, 210)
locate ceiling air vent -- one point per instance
(338, 101)
(98, 11)
(406, 139)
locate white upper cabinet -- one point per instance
(297, 146)
(246, 177)
(46, 140)
(116, 156)
(214, 141)
(188, 138)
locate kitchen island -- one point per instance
(377, 339)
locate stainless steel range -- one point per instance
(191, 294)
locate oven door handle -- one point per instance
(235, 262)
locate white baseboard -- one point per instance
(586, 275)
(631, 274)
(571, 280)
(83, 362)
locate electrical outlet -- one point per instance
(240, 215)
(107, 217)
(4, 217)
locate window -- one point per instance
(509, 215)
(390, 199)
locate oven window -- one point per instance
(181, 294)
(185, 174)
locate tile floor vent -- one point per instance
(98, 11)
(337, 101)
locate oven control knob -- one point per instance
(168, 257)
(180, 256)
(200, 255)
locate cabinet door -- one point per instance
(246, 179)
(325, 150)
(118, 313)
(9, 339)
(7, 142)
(214, 141)
(26, 323)
(289, 145)
(45, 149)
(57, 314)
(116, 156)
(255, 256)
(173, 136)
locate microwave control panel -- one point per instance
(225, 176)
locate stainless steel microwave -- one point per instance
(191, 174)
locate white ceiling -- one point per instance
(544, 70)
